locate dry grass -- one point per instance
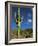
(23, 34)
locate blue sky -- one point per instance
(26, 14)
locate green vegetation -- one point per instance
(23, 34)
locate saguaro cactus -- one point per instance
(19, 22)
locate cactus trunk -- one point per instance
(18, 22)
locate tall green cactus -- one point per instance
(18, 22)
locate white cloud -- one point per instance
(22, 19)
(29, 20)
